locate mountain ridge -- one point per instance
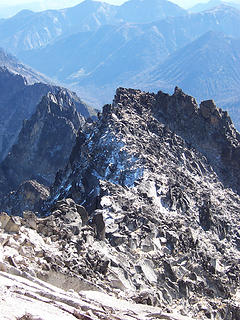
(44, 27)
(11, 63)
(43, 145)
(158, 166)
(205, 68)
(127, 51)
(212, 4)
(146, 209)
(22, 90)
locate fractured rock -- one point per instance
(159, 177)
(13, 225)
(4, 218)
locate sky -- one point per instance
(183, 3)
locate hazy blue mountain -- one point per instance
(211, 4)
(131, 47)
(120, 49)
(96, 61)
(8, 10)
(208, 67)
(232, 104)
(16, 67)
(29, 30)
(225, 19)
(143, 11)
(124, 50)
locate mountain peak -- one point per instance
(207, 128)
(158, 166)
(212, 4)
(145, 11)
(44, 143)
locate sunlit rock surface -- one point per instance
(146, 210)
(159, 176)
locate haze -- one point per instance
(60, 3)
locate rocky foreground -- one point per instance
(146, 210)
(35, 253)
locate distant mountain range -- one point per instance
(8, 10)
(211, 4)
(208, 66)
(15, 66)
(144, 11)
(127, 49)
(31, 30)
(95, 47)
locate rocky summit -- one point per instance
(144, 214)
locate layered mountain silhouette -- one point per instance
(126, 50)
(211, 4)
(10, 9)
(21, 90)
(117, 45)
(95, 47)
(36, 29)
(207, 67)
(148, 10)
(13, 65)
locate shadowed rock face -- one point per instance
(159, 176)
(30, 196)
(18, 101)
(208, 129)
(19, 97)
(44, 143)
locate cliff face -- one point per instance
(21, 91)
(44, 143)
(207, 128)
(160, 178)
(18, 101)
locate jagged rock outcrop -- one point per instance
(43, 146)
(208, 129)
(21, 91)
(18, 100)
(160, 178)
